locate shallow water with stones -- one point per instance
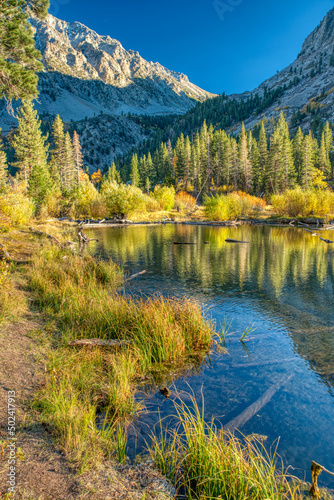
(282, 284)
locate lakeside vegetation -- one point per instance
(88, 409)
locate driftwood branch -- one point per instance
(5, 255)
(53, 239)
(5, 252)
(134, 276)
(98, 342)
(316, 470)
(83, 238)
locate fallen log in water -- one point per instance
(99, 342)
(134, 276)
(263, 363)
(255, 407)
(182, 243)
(326, 241)
(229, 240)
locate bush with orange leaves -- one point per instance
(184, 201)
(255, 202)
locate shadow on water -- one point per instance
(282, 283)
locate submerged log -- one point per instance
(255, 407)
(135, 276)
(229, 240)
(99, 342)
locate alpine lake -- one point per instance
(276, 384)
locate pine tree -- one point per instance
(323, 162)
(113, 174)
(147, 185)
(254, 157)
(308, 161)
(19, 60)
(227, 160)
(134, 175)
(68, 170)
(263, 158)
(165, 171)
(328, 138)
(245, 166)
(39, 184)
(57, 154)
(187, 163)
(28, 143)
(235, 163)
(280, 168)
(287, 173)
(150, 173)
(298, 153)
(180, 152)
(78, 156)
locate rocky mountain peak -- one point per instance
(322, 38)
(74, 50)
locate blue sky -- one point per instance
(222, 45)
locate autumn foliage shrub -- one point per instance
(305, 203)
(257, 203)
(127, 200)
(184, 201)
(165, 196)
(230, 207)
(16, 206)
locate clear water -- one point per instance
(282, 283)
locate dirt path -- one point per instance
(41, 470)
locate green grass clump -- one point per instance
(205, 465)
(85, 385)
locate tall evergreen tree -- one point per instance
(263, 158)
(29, 144)
(77, 155)
(39, 184)
(308, 161)
(19, 59)
(68, 170)
(57, 154)
(298, 153)
(245, 166)
(134, 174)
(113, 174)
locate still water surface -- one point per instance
(282, 283)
